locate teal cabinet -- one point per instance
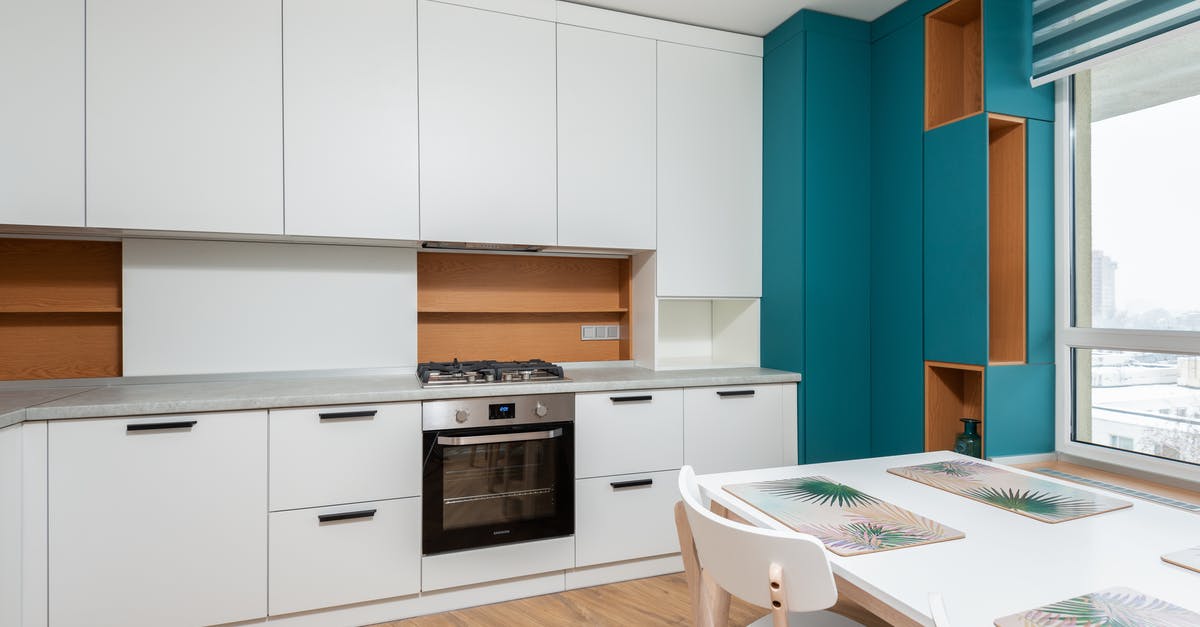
(1019, 410)
(1007, 56)
(896, 233)
(956, 242)
(1040, 212)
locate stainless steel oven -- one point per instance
(497, 470)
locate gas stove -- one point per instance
(440, 373)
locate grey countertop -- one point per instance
(240, 392)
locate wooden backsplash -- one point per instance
(505, 307)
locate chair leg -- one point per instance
(779, 608)
(691, 566)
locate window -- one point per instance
(1132, 333)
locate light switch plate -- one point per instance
(590, 332)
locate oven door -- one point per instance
(496, 485)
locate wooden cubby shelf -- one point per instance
(953, 62)
(1006, 240)
(488, 306)
(952, 392)
(60, 309)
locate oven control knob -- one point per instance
(462, 415)
(540, 409)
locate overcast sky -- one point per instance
(1146, 204)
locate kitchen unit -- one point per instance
(340, 528)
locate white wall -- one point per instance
(195, 307)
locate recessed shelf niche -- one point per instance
(60, 309)
(1006, 240)
(707, 333)
(952, 392)
(953, 62)
(489, 306)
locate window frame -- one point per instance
(1068, 337)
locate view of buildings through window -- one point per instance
(1137, 223)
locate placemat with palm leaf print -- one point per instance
(1187, 558)
(1030, 496)
(846, 520)
(1117, 607)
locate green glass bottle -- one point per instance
(968, 442)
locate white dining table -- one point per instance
(1008, 563)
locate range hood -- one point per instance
(500, 248)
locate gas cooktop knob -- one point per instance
(462, 415)
(540, 409)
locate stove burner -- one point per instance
(487, 371)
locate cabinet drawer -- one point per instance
(344, 454)
(330, 556)
(633, 431)
(733, 428)
(624, 517)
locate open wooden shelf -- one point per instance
(486, 306)
(60, 309)
(952, 392)
(953, 62)
(1006, 240)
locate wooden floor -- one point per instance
(653, 601)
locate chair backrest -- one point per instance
(739, 558)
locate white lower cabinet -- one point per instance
(345, 454)
(625, 517)
(158, 520)
(734, 428)
(328, 556)
(646, 426)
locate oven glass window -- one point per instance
(497, 484)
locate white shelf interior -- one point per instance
(707, 333)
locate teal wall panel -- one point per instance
(837, 246)
(1040, 225)
(1019, 410)
(897, 242)
(782, 310)
(902, 16)
(956, 225)
(805, 21)
(1007, 50)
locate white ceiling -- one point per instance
(753, 17)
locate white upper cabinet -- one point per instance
(184, 115)
(606, 143)
(41, 112)
(487, 98)
(350, 118)
(709, 173)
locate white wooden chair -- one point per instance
(784, 571)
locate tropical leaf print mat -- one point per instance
(1187, 558)
(1030, 496)
(848, 521)
(1114, 606)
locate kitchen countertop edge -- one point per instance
(253, 394)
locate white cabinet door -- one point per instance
(184, 115)
(347, 554)
(606, 142)
(733, 428)
(625, 517)
(645, 426)
(153, 522)
(344, 454)
(350, 118)
(709, 172)
(41, 112)
(487, 126)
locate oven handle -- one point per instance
(499, 437)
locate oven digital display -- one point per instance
(502, 411)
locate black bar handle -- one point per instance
(158, 426)
(338, 415)
(630, 399)
(736, 393)
(617, 485)
(366, 513)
